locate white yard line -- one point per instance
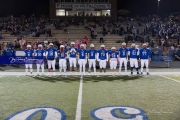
(79, 102)
(169, 78)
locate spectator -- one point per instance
(101, 40)
(0, 36)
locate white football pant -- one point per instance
(92, 62)
(102, 64)
(72, 62)
(82, 65)
(133, 62)
(123, 60)
(62, 65)
(113, 65)
(28, 66)
(146, 63)
(51, 63)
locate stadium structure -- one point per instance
(84, 9)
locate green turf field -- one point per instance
(158, 97)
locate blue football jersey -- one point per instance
(29, 53)
(133, 52)
(123, 52)
(62, 55)
(8, 52)
(144, 54)
(113, 54)
(92, 54)
(73, 52)
(51, 53)
(102, 54)
(82, 54)
(40, 54)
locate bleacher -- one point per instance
(73, 33)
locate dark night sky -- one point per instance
(136, 7)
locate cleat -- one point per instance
(131, 73)
(141, 73)
(148, 74)
(137, 73)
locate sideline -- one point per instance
(169, 78)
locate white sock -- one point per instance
(37, 69)
(94, 69)
(84, 70)
(64, 70)
(26, 70)
(120, 68)
(147, 70)
(80, 69)
(141, 69)
(43, 70)
(126, 69)
(60, 70)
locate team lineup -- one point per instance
(91, 56)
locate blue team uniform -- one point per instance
(73, 53)
(29, 53)
(40, 54)
(133, 53)
(123, 52)
(82, 54)
(102, 54)
(113, 54)
(51, 53)
(92, 54)
(144, 54)
(62, 55)
(9, 52)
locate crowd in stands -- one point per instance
(161, 33)
(15, 25)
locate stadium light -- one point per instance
(158, 6)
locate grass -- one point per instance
(27, 92)
(157, 96)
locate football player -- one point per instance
(62, 53)
(145, 58)
(102, 56)
(113, 58)
(134, 54)
(92, 56)
(123, 54)
(72, 56)
(51, 55)
(82, 53)
(40, 55)
(29, 55)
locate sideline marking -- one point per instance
(79, 102)
(169, 78)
